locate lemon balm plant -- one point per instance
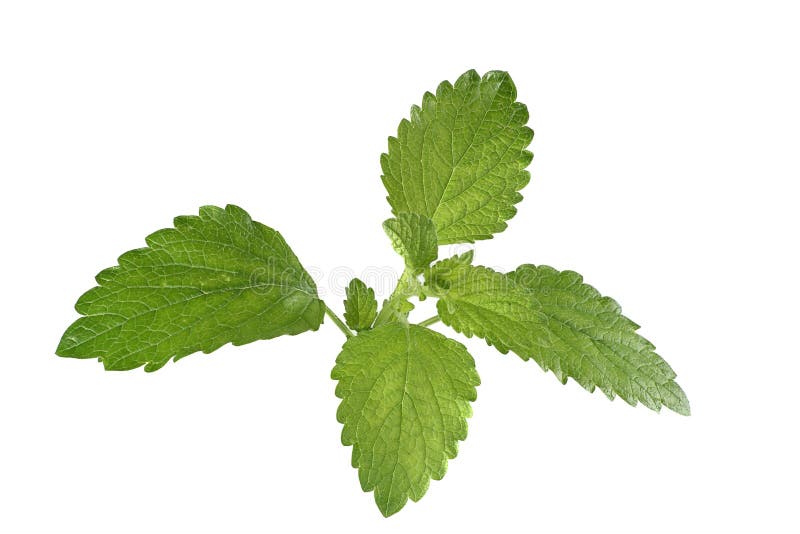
(453, 174)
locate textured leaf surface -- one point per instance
(461, 158)
(214, 279)
(360, 306)
(405, 394)
(563, 324)
(413, 237)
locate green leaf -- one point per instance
(360, 307)
(394, 311)
(214, 279)
(440, 272)
(405, 394)
(460, 160)
(413, 237)
(563, 324)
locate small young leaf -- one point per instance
(437, 276)
(214, 279)
(360, 307)
(460, 160)
(405, 394)
(413, 237)
(394, 311)
(563, 324)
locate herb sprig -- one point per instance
(453, 173)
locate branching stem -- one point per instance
(407, 286)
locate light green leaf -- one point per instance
(441, 270)
(460, 160)
(413, 237)
(405, 394)
(563, 324)
(360, 307)
(394, 311)
(214, 279)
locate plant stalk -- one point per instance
(430, 320)
(338, 322)
(406, 286)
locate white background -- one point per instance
(665, 170)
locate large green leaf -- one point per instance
(563, 324)
(461, 159)
(405, 394)
(214, 279)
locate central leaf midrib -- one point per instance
(402, 408)
(170, 305)
(455, 165)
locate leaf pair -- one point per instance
(453, 174)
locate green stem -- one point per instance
(430, 320)
(338, 322)
(406, 286)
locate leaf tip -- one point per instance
(469, 77)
